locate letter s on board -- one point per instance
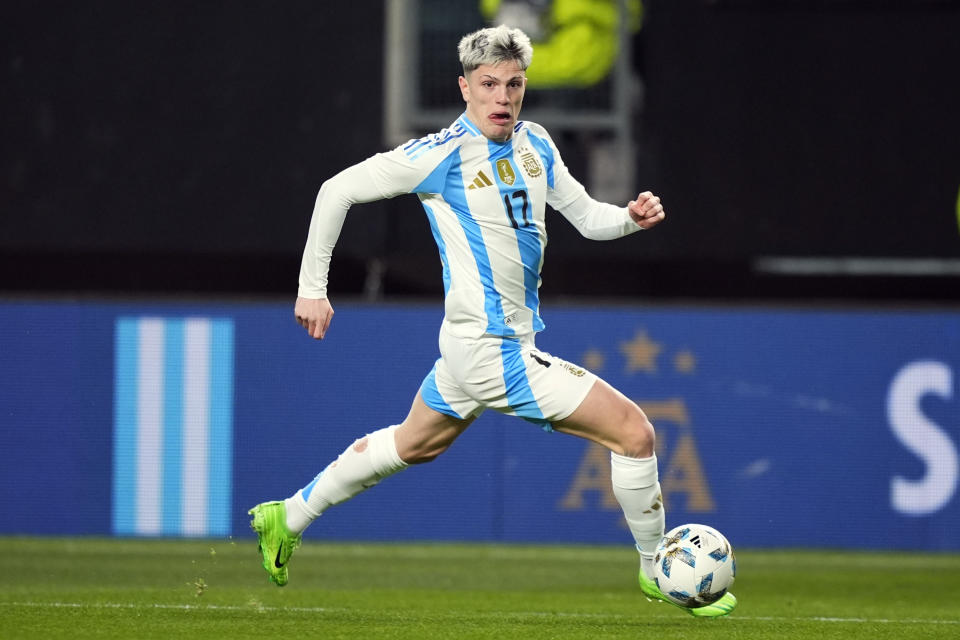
(925, 439)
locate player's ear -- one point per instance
(464, 88)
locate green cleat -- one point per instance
(276, 543)
(721, 607)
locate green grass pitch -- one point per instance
(122, 588)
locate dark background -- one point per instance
(177, 147)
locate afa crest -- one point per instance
(505, 171)
(531, 165)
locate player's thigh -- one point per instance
(609, 418)
(426, 433)
(542, 387)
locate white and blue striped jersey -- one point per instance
(485, 202)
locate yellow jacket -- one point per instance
(580, 43)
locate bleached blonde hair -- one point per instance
(494, 45)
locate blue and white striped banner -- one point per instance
(173, 426)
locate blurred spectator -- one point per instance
(576, 41)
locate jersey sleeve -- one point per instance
(382, 176)
(593, 219)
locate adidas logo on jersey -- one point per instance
(480, 181)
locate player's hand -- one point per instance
(314, 315)
(646, 210)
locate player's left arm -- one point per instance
(647, 210)
(599, 220)
(593, 219)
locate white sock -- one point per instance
(297, 515)
(362, 465)
(637, 489)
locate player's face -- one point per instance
(494, 94)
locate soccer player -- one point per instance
(484, 182)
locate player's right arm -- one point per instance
(314, 315)
(379, 177)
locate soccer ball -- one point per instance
(694, 565)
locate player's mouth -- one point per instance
(500, 117)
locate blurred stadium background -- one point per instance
(793, 328)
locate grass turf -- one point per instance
(121, 588)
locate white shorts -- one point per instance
(509, 375)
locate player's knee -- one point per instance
(639, 439)
(423, 453)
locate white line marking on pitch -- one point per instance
(546, 614)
